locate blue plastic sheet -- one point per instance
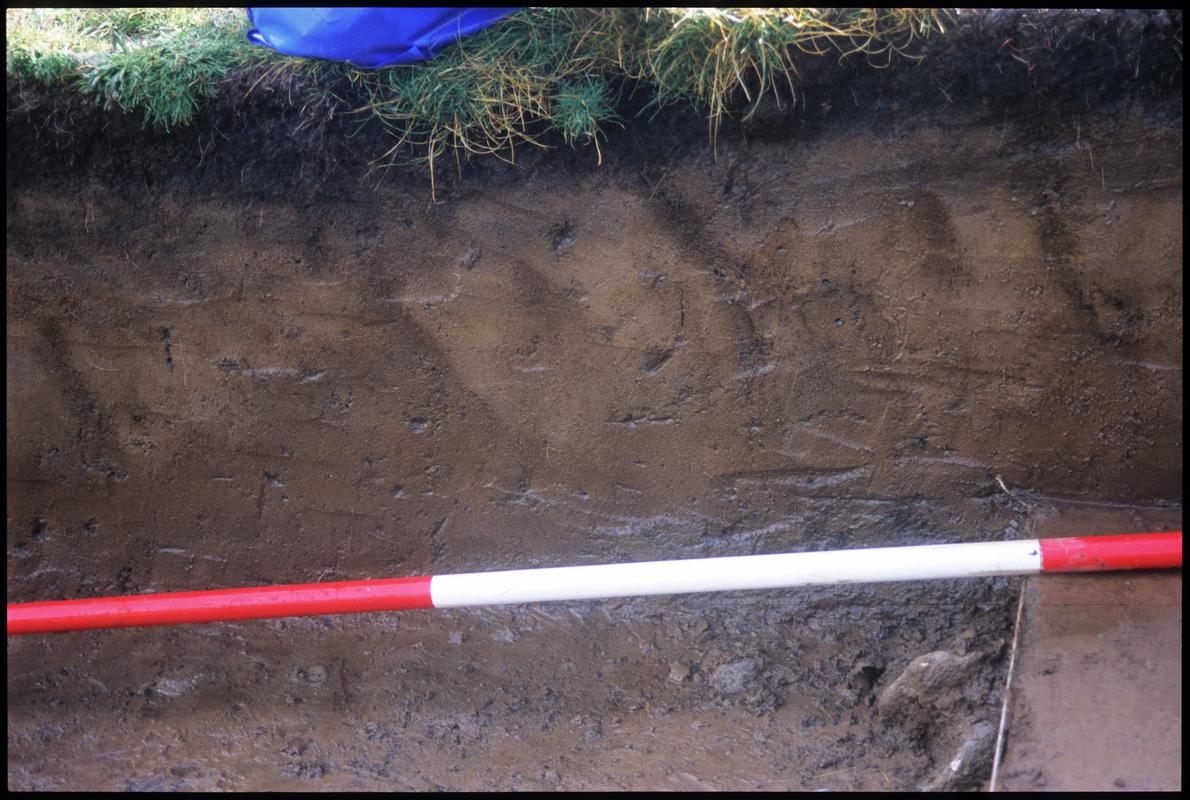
(367, 37)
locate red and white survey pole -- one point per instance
(870, 565)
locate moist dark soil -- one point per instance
(924, 304)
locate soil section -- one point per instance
(815, 341)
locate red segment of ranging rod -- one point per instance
(1104, 553)
(219, 605)
(733, 573)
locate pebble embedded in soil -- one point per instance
(968, 768)
(679, 672)
(926, 682)
(736, 676)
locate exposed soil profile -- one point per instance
(918, 306)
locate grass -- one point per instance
(159, 62)
(537, 72)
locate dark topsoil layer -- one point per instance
(931, 303)
(281, 136)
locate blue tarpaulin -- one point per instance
(367, 37)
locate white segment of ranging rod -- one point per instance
(869, 565)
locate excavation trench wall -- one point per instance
(927, 326)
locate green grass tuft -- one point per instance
(581, 108)
(166, 79)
